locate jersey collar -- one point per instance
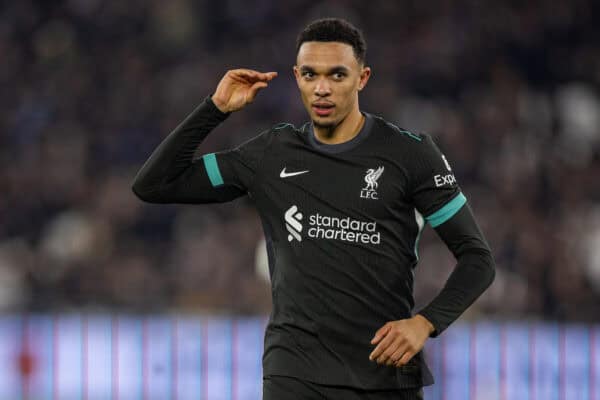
(339, 147)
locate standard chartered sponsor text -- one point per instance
(344, 229)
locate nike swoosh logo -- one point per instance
(284, 174)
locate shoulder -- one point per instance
(404, 138)
(283, 127)
(416, 152)
(285, 132)
(268, 134)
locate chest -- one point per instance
(367, 185)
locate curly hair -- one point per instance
(334, 30)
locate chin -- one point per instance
(326, 122)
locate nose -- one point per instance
(322, 88)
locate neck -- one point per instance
(346, 130)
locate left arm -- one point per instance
(436, 194)
(398, 341)
(473, 273)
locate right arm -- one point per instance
(173, 175)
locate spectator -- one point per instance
(90, 88)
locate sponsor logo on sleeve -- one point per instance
(448, 179)
(447, 163)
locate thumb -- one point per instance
(254, 90)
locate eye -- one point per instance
(307, 74)
(338, 76)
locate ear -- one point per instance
(365, 74)
(296, 72)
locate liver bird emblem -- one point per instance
(371, 178)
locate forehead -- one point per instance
(324, 54)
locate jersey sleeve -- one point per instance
(172, 174)
(438, 197)
(434, 190)
(237, 167)
(472, 275)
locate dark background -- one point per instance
(509, 90)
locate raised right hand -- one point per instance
(239, 87)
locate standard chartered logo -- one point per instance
(321, 226)
(292, 223)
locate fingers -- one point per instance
(405, 358)
(270, 75)
(396, 356)
(254, 90)
(395, 351)
(251, 75)
(258, 85)
(397, 342)
(398, 353)
(238, 87)
(381, 332)
(382, 347)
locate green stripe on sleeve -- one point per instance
(212, 169)
(445, 213)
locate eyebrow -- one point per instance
(330, 71)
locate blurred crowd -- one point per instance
(509, 90)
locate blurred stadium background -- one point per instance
(104, 297)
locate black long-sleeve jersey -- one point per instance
(342, 225)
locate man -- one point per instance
(341, 200)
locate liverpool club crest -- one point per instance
(371, 178)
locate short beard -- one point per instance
(330, 127)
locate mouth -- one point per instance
(323, 109)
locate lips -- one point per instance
(323, 109)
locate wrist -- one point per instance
(221, 106)
(219, 109)
(426, 323)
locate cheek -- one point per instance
(305, 91)
(347, 91)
